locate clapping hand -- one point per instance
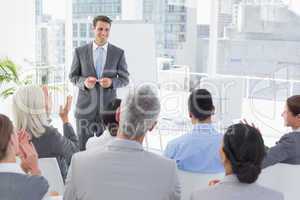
(90, 82)
(244, 121)
(28, 154)
(105, 82)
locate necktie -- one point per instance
(99, 61)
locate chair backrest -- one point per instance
(50, 170)
(194, 181)
(283, 178)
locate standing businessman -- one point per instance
(98, 69)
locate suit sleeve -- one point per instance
(70, 190)
(67, 144)
(170, 151)
(283, 150)
(176, 188)
(75, 72)
(122, 73)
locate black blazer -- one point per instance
(54, 144)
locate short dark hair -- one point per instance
(101, 18)
(109, 116)
(6, 129)
(200, 104)
(293, 104)
(244, 146)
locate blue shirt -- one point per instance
(197, 151)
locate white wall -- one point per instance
(17, 22)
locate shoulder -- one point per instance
(93, 142)
(161, 161)
(269, 193)
(52, 132)
(83, 47)
(115, 48)
(27, 183)
(289, 137)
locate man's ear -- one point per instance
(152, 127)
(190, 115)
(118, 113)
(222, 155)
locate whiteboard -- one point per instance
(138, 41)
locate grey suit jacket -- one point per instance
(286, 150)
(231, 189)
(92, 101)
(22, 187)
(121, 171)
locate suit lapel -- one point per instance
(91, 58)
(108, 58)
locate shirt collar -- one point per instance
(11, 168)
(106, 133)
(297, 130)
(95, 46)
(126, 144)
(204, 127)
(230, 178)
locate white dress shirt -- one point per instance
(95, 46)
(11, 168)
(101, 141)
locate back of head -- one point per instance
(29, 109)
(200, 104)
(109, 116)
(243, 145)
(139, 111)
(6, 129)
(293, 104)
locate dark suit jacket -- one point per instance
(286, 150)
(91, 102)
(53, 144)
(22, 187)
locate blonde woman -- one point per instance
(31, 108)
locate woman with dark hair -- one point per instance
(287, 149)
(241, 154)
(19, 181)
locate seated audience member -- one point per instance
(197, 151)
(31, 107)
(19, 182)
(242, 154)
(123, 169)
(287, 150)
(110, 122)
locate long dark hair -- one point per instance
(244, 147)
(6, 129)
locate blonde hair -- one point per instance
(29, 110)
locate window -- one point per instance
(75, 30)
(91, 33)
(75, 43)
(83, 30)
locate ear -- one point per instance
(223, 155)
(190, 115)
(152, 127)
(118, 113)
